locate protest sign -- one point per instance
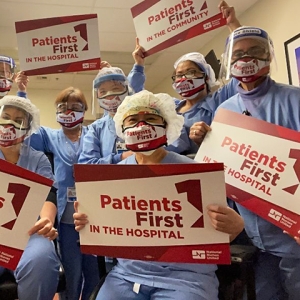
(261, 162)
(57, 45)
(23, 194)
(164, 23)
(152, 212)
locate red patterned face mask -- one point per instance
(5, 86)
(189, 88)
(70, 118)
(143, 137)
(249, 69)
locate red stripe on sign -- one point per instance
(200, 254)
(15, 170)
(84, 65)
(87, 173)
(28, 25)
(213, 23)
(10, 257)
(141, 7)
(273, 213)
(206, 26)
(242, 121)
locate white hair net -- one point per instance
(199, 59)
(163, 104)
(26, 105)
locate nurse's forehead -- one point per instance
(247, 43)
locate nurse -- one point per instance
(135, 279)
(101, 144)
(65, 144)
(248, 58)
(38, 270)
(7, 72)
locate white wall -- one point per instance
(279, 18)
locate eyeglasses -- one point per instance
(256, 52)
(62, 107)
(149, 118)
(188, 75)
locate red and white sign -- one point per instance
(152, 212)
(23, 194)
(160, 24)
(262, 166)
(60, 44)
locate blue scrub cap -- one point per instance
(107, 74)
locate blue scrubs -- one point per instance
(159, 280)
(201, 111)
(137, 78)
(278, 265)
(81, 270)
(38, 270)
(99, 145)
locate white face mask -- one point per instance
(189, 88)
(11, 134)
(145, 137)
(70, 118)
(5, 86)
(111, 105)
(246, 70)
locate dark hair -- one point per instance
(71, 92)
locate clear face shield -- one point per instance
(248, 54)
(15, 130)
(110, 94)
(70, 114)
(7, 71)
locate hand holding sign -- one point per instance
(225, 219)
(138, 53)
(22, 81)
(80, 219)
(198, 132)
(228, 13)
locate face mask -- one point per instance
(246, 70)
(145, 137)
(5, 86)
(10, 134)
(70, 118)
(189, 88)
(112, 104)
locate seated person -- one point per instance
(136, 279)
(38, 270)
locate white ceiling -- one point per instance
(116, 34)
